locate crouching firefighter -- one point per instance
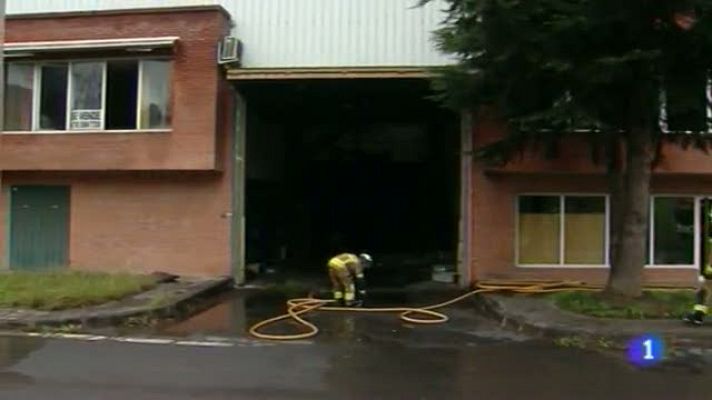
(347, 278)
(702, 297)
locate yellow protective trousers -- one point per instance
(704, 291)
(344, 269)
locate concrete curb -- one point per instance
(542, 318)
(166, 300)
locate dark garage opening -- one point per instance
(351, 165)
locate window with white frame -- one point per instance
(673, 230)
(87, 95)
(562, 230)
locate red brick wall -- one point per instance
(169, 222)
(575, 157)
(191, 144)
(494, 215)
(494, 219)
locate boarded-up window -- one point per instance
(562, 230)
(585, 230)
(539, 227)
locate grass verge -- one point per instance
(51, 291)
(654, 304)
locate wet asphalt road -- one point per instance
(356, 357)
(72, 370)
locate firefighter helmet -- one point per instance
(366, 259)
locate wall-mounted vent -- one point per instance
(229, 51)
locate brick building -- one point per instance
(114, 154)
(549, 219)
(128, 147)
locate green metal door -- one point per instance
(39, 227)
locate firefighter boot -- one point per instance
(695, 318)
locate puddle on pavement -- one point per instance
(230, 315)
(12, 351)
(15, 349)
(235, 312)
(490, 370)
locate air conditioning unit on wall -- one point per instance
(229, 51)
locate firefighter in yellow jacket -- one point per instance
(701, 307)
(347, 278)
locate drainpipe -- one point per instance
(237, 229)
(465, 245)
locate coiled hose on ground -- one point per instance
(297, 308)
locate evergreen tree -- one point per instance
(629, 75)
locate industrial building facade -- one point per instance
(129, 147)
(114, 155)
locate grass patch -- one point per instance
(654, 304)
(570, 342)
(67, 289)
(605, 343)
(160, 300)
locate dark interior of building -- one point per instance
(351, 165)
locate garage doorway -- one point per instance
(351, 165)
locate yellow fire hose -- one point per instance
(296, 308)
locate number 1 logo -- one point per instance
(648, 344)
(645, 350)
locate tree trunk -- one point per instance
(616, 183)
(625, 279)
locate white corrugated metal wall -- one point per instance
(306, 33)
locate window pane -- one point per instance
(19, 84)
(155, 95)
(686, 100)
(539, 218)
(673, 235)
(585, 230)
(121, 94)
(53, 97)
(86, 95)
